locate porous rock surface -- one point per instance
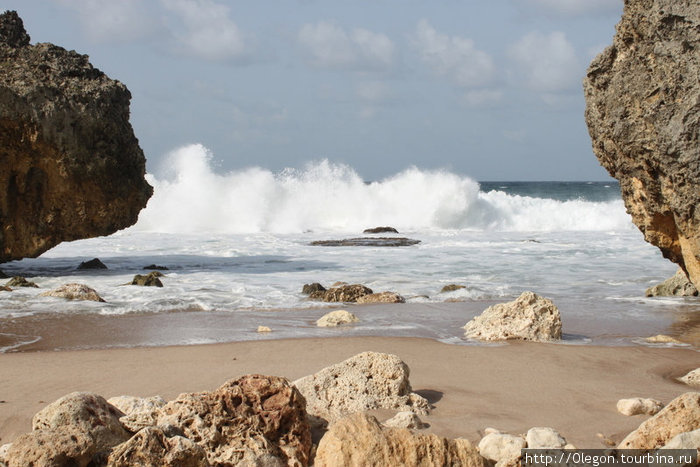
(359, 440)
(72, 167)
(529, 317)
(336, 318)
(370, 380)
(152, 447)
(64, 447)
(681, 415)
(347, 293)
(253, 420)
(381, 297)
(502, 448)
(139, 412)
(642, 112)
(74, 292)
(692, 378)
(677, 285)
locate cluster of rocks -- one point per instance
(349, 293)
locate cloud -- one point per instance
(455, 57)
(206, 30)
(112, 21)
(576, 7)
(330, 46)
(481, 97)
(546, 63)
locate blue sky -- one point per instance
(490, 89)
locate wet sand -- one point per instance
(512, 387)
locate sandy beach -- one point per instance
(512, 387)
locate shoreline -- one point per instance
(512, 387)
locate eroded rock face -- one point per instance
(74, 292)
(382, 297)
(359, 440)
(72, 167)
(676, 285)
(643, 116)
(254, 420)
(151, 447)
(65, 447)
(370, 380)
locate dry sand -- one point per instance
(512, 387)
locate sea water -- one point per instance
(237, 248)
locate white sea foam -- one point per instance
(325, 196)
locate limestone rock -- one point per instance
(530, 317)
(688, 440)
(19, 281)
(692, 378)
(67, 446)
(359, 441)
(382, 297)
(72, 167)
(405, 419)
(149, 280)
(74, 292)
(336, 318)
(677, 285)
(264, 329)
(502, 448)
(452, 288)
(140, 412)
(376, 230)
(662, 339)
(151, 447)
(642, 116)
(248, 420)
(681, 415)
(87, 412)
(308, 289)
(544, 438)
(343, 293)
(367, 381)
(639, 406)
(3, 452)
(92, 264)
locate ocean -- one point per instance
(237, 248)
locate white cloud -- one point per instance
(206, 30)
(112, 21)
(455, 57)
(576, 7)
(546, 63)
(330, 46)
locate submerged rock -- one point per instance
(377, 230)
(676, 285)
(452, 288)
(336, 318)
(359, 441)
(343, 293)
(149, 280)
(156, 267)
(367, 381)
(72, 167)
(315, 287)
(368, 241)
(529, 317)
(92, 264)
(642, 113)
(19, 281)
(74, 292)
(381, 297)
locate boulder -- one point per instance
(149, 280)
(87, 412)
(452, 288)
(19, 281)
(381, 297)
(376, 230)
(342, 293)
(308, 289)
(67, 446)
(544, 438)
(245, 421)
(368, 241)
(530, 317)
(359, 441)
(336, 318)
(74, 292)
(92, 264)
(151, 447)
(692, 378)
(639, 406)
(681, 415)
(642, 115)
(502, 448)
(677, 285)
(405, 419)
(139, 412)
(72, 167)
(367, 381)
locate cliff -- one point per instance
(71, 166)
(643, 115)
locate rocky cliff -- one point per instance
(643, 115)
(71, 166)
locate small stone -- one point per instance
(502, 448)
(264, 329)
(639, 406)
(74, 292)
(692, 378)
(662, 339)
(336, 318)
(19, 281)
(149, 280)
(405, 419)
(92, 264)
(544, 438)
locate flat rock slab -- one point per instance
(368, 241)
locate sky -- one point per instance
(489, 89)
